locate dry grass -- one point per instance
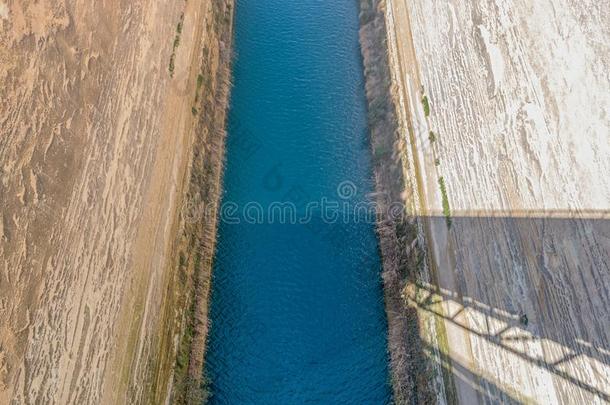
(186, 310)
(190, 384)
(400, 252)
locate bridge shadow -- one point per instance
(486, 390)
(524, 304)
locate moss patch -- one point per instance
(446, 207)
(426, 104)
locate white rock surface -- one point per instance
(519, 93)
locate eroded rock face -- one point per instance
(94, 145)
(518, 95)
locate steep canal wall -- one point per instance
(415, 378)
(112, 120)
(177, 373)
(511, 293)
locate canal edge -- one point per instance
(177, 375)
(414, 337)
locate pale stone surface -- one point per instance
(519, 96)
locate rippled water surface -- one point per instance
(297, 310)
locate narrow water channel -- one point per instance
(297, 310)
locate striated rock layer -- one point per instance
(101, 106)
(504, 108)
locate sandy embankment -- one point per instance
(519, 282)
(96, 142)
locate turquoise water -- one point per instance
(297, 310)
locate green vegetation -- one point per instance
(172, 59)
(432, 137)
(199, 84)
(426, 104)
(197, 393)
(187, 390)
(172, 65)
(190, 385)
(182, 357)
(446, 208)
(523, 319)
(381, 151)
(437, 162)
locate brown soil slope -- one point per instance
(97, 124)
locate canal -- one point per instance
(297, 311)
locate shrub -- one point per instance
(176, 44)
(445, 200)
(426, 104)
(196, 393)
(171, 65)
